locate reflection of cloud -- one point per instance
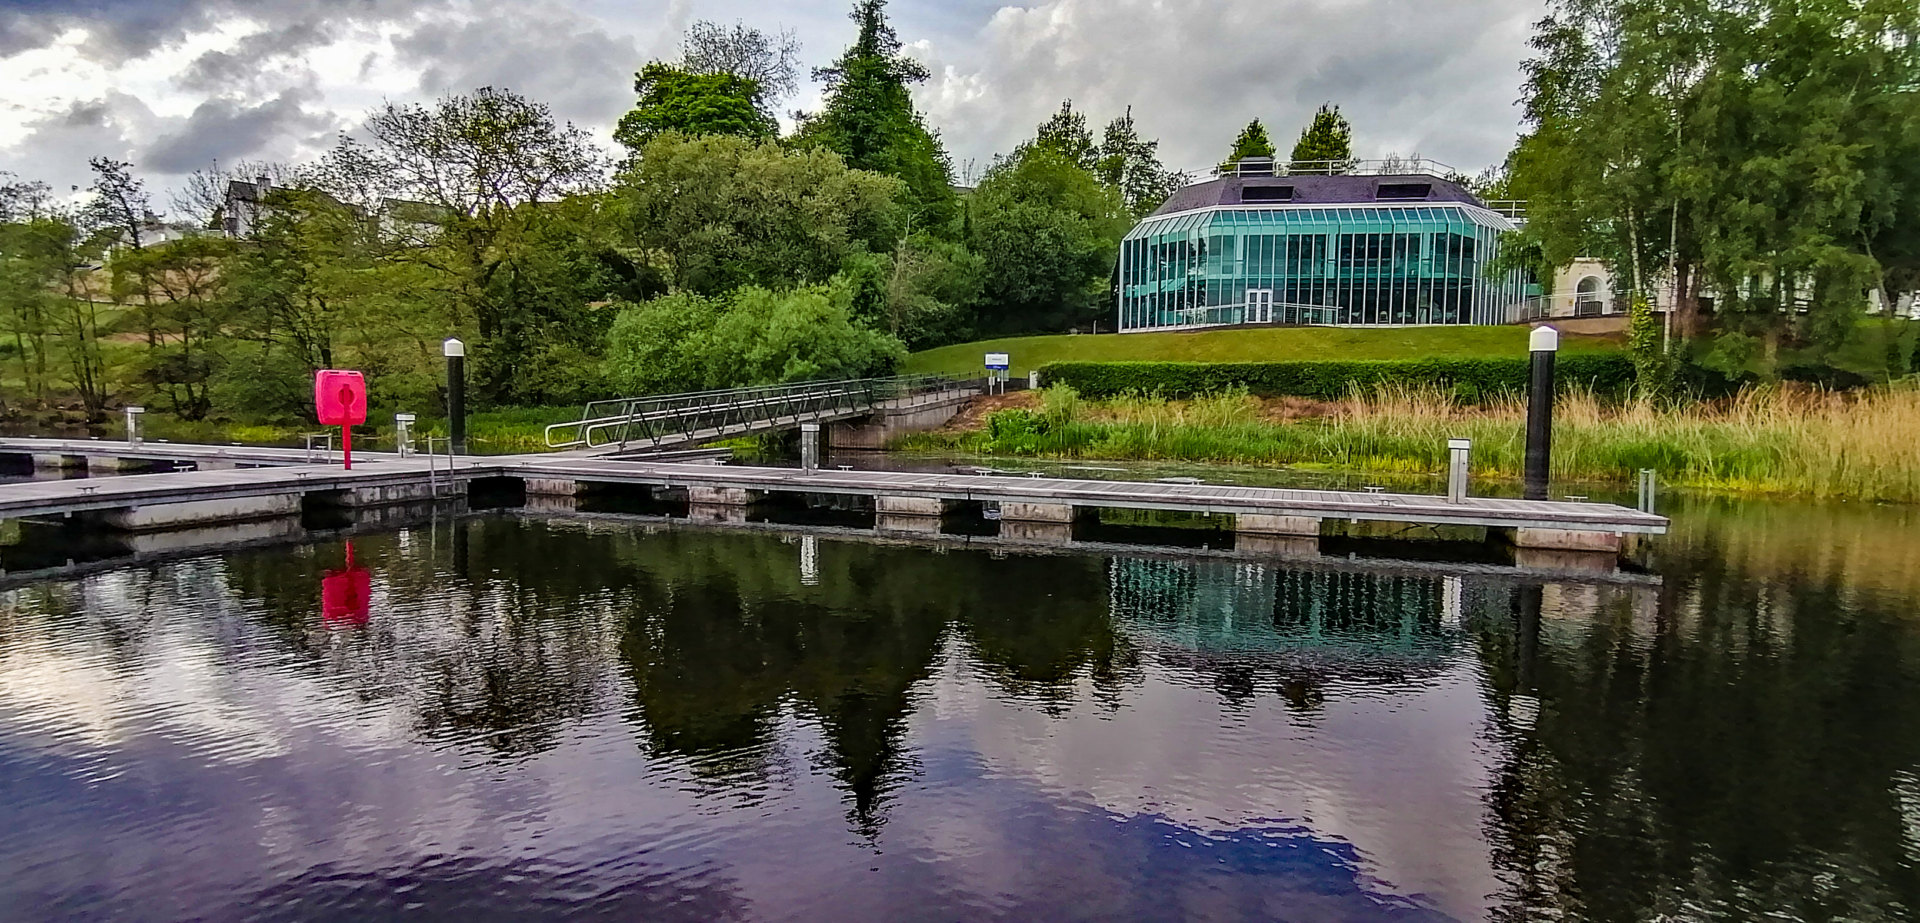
(1400, 777)
(496, 889)
(995, 843)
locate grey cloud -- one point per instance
(121, 29)
(223, 130)
(543, 51)
(59, 144)
(86, 114)
(243, 63)
(1439, 79)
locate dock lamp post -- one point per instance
(133, 426)
(1543, 343)
(456, 353)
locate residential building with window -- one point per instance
(1252, 246)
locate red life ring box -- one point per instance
(340, 397)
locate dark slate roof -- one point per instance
(242, 191)
(1310, 190)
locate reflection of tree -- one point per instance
(499, 660)
(1044, 625)
(723, 632)
(1727, 751)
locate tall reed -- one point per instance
(1863, 445)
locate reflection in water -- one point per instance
(346, 595)
(674, 723)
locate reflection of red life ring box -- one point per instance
(346, 597)
(340, 397)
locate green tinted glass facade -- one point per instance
(1316, 264)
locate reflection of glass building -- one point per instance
(1304, 249)
(1232, 606)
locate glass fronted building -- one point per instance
(1345, 250)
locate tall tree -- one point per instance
(1252, 142)
(1047, 233)
(182, 283)
(489, 169)
(1326, 142)
(869, 117)
(693, 104)
(1131, 164)
(720, 212)
(1066, 132)
(771, 62)
(22, 200)
(120, 201)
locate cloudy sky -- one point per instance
(175, 85)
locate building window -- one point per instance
(1402, 192)
(1266, 194)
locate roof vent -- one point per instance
(1254, 166)
(1403, 191)
(1266, 194)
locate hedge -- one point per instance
(1332, 379)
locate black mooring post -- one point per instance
(456, 353)
(1543, 343)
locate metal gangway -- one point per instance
(672, 420)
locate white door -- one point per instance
(1259, 306)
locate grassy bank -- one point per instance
(1863, 446)
(1266, 344)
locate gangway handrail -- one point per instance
(696, 415)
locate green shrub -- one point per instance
(1475, 380)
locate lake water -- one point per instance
(613, 717)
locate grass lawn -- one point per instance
(1261, 344)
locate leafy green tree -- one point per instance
(1252, 142)
(1066, 132)
(693, 104)
(1327, 141)
(33, 255)
(933, 288)
(1755, 153)
(182, 284)
(488, 169)
(1047, 233)
(297, 286)
(869, 118)
(719, 212)
(1131, 165)
(751, 336)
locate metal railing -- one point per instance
(674, 419)
(1389, 166)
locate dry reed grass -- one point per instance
(1863, 445)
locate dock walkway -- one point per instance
(170, 500)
